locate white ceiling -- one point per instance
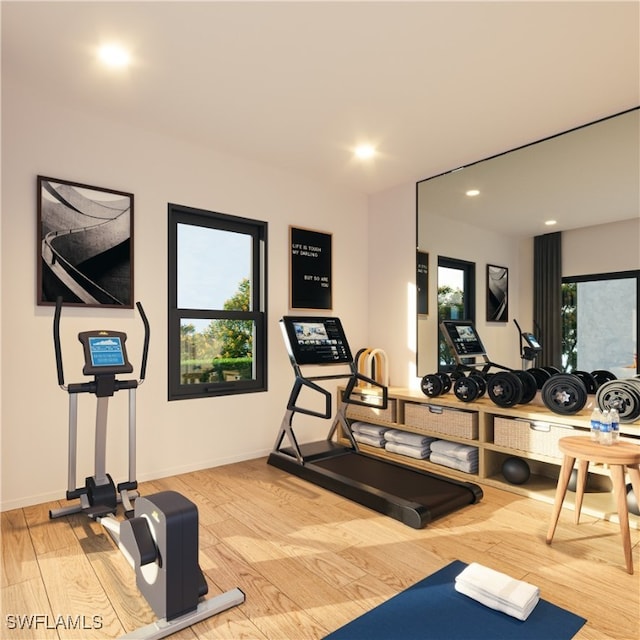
(585, 177)
(297, 85)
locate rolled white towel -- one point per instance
(406, 437)
(455, 449)
(368, 429)
(468, 466)
(498, 590)
(372, 441)
(407, 450)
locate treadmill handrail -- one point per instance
(301, 382)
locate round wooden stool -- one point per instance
(619, 456)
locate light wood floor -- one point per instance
(308, 560)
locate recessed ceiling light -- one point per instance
(365, 151)
(472, 192)
(113, 55)
(550, 223)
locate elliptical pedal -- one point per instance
(99, 511)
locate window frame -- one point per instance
(180, 214)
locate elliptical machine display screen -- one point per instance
(316, 340)
(532, 341)
(462, 337)
(104, 353)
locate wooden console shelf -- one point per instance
(528, 431)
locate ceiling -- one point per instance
(296, 85)
(582, 178)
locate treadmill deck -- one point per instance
(413, 497)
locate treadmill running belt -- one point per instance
(413, 497)
(436, 493)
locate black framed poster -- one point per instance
(497, 293)
(310, 269)
(84, 244)
(422, 282)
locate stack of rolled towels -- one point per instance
(409, 444)
(455, 455)
(498, 590)
(371, 434)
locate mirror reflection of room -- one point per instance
(581, 185)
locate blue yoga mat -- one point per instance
(432, 609)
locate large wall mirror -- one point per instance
(583, 177)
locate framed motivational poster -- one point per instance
(310, 269)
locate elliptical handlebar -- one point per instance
(145, 347)
(56, 342)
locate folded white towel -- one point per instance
(455, 449)
(368, 429)
(407, 450)
(498, 590)
(468, 466)
(406, 437)
(372, 441)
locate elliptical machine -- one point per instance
(159, 536)
(105, 357)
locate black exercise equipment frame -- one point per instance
(414, 497)
(530, 348)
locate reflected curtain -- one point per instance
(547, 297)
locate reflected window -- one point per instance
(217, 304)
(600, 323)
(456, 301)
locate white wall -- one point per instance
(602, 248)
(40, 137)
(391, 285)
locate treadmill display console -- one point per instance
(462, 336)
(317, 340)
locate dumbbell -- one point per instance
(622, 395)
(471, 387)
(435, 384)
(508, 388)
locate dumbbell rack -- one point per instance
(562, 393)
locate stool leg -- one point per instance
(634, 476)
(581, 483)
(617, 475)
(561, 490)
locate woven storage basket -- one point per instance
(361, 412)
(533, 437)
(442, 420)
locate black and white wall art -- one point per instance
(497, 294)
(84, 244)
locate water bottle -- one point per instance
(595, 424)
(605, 428)
(615, 425)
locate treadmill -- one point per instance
(411, 496)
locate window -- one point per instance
(217, 304)
(456, 301)
(600, 323)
